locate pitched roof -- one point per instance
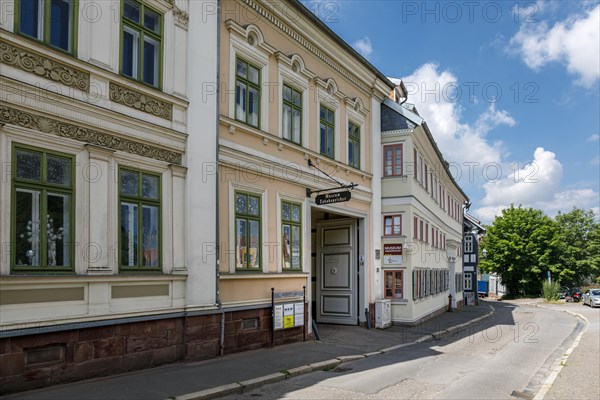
(314, 19)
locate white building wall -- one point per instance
(201, 179)
(376, 223)
(185, 225)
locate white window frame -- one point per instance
(136, 51)
(468, 243)
(468, 281)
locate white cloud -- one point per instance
(527, 183)
(593, 138)
(363, 46)
(436, 94)
(574, 41)
(595, 161)
(537, 185)
(534, 184)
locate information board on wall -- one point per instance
(288, 315)
(392, 253)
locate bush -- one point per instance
(550, 291)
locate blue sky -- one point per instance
(509, 89)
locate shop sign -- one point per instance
(335, 197)
(392, 253)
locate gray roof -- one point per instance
(394, 121)
(471, 222)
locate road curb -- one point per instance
(238, 388)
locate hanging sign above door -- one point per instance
(335, 197)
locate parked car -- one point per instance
(574, 295)
(563, 292)
(592, 297)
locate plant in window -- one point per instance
(42, 187)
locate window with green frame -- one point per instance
(141, 43)
(139, 220)
(353, 145)
(247, 93)
(247, 231)
(292, 114)
(327, 129)
(42, 211)
(53, 22)
(291, 232)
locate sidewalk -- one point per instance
(232, 373)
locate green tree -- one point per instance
(594, 249)
(578, 240)
(521, 247)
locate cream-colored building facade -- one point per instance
(317, 101)
(422, 211)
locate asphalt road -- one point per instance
(510, 355)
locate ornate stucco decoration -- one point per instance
(52, 126)
(43, 66)
(357, 105)
(399, 132)
(269, 16)
(140, 101)
(181, 18)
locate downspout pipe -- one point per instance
(217, 231)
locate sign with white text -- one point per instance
(392, 253)
(336, 197)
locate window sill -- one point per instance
(400, 301)
(394, 176)
(260, 275)
(38, 279)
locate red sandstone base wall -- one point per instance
(33, 361)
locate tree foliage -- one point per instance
(521, 247)
(578, 244)
(523, 244)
